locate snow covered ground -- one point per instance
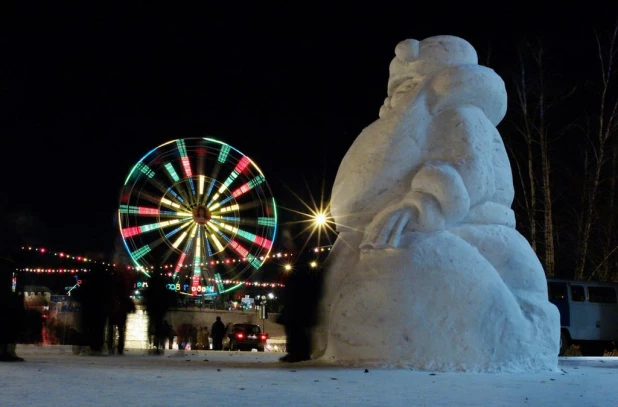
(53, 376)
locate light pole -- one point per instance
(263, 310)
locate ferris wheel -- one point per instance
(199, 209)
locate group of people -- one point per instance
(105, 300)
(188, 336)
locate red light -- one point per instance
(263, 337)
(42, 250)
(240, 335)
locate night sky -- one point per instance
(86, 93)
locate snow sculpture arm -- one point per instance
(456, 174)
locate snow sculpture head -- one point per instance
(428, 269)
(415, 60)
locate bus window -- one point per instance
(557, 291)
(577, 293)
(602, 294)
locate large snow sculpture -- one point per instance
(428, 270)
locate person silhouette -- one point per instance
(217, 333)
(12, 313)
(302, 292)
(121, 306)
(158, 301)
(95, 295)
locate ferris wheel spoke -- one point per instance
(211, 186)
(197, 260)
(177, 190)
(181, 209)
(137, 230)
(232, 244)
(179, 200)
(243, 189)
(207, 245)
(213, 236)
(186, 193)
(180, 238)
(149, 211)
(247, 236)
(248, 186)
(186, 166)
(238, 169)
(187, 237)
(201, 180)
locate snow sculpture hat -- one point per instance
(448, 67)
(419, 58)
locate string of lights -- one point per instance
(275, 256)
(50, 270)
(85, 259)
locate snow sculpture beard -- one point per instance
(428, 270)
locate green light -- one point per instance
(229, 180)
(171, 171)
(267, 221)
(129, 209)
(139, 253)
(148, 228)
(181, 147)
(248, 236)
(231, 288)
(141, 167)
(219, 282)
(145, 169)
(254, 261)
(256, 181)
(225, 150)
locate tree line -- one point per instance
(562, 136)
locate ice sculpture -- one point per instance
(428, 270)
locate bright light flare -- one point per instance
(320, 219)
(317, 220)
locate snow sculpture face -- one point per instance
(427, 246)
(416, 60)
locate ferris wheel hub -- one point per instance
(201, 214)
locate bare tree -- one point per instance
(606, 126)
(526, 130)
(543, 137)
(533, 105)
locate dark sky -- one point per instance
(87, 92)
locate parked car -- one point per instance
(244, 337)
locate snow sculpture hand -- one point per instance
(386, 228)
(438, 199)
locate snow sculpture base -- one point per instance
(428, 270)
(419, 308)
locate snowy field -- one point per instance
(53, 376)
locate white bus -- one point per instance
(588, 314)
